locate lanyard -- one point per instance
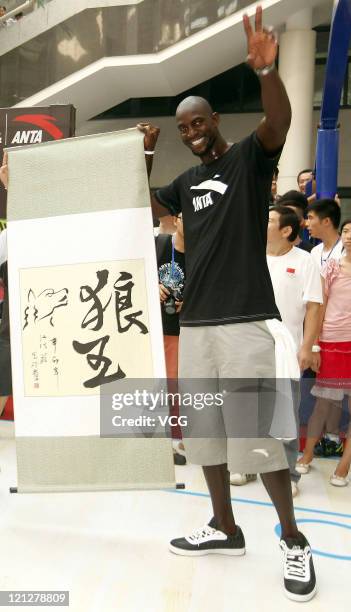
(170, 278)
(330, 252)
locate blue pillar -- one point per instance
(328, 133)
(327, 163)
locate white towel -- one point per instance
(284, 425)
(286, 364)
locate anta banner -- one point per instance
(24, 126)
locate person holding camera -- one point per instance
(171, 272)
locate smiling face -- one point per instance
(198, 126)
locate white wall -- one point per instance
(172, 157)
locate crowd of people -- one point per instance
(297, 270)
(243, 291)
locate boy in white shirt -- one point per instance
(323, 220)
(298, 295)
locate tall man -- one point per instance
(229, 297)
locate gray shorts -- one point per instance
(229, 355)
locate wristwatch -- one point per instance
(265, 70)
(316, 348)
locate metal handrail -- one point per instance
(22, 7)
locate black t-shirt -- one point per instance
(170, 276)
(225, 216)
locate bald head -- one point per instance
(194, 104)
(198, 128)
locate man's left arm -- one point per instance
(262, 52)
(274, 127)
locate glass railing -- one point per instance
(148, 27)
(20, 7)
(15, 11)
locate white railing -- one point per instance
(26, 7)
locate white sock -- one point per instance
(332, 437)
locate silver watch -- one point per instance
(265, 70)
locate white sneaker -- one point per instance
(242, 479)
(299, 575)
(178, 447)
(303, 468)
(294, 488)
(339, 481)
(208, 540)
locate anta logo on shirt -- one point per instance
(203, 201)
(200, 202)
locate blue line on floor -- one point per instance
(259, 503)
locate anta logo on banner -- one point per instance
(45, 122)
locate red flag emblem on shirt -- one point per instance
(290, 270)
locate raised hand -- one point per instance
(262, 45)
(151, 133)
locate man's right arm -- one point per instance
(151, 133)
(158, 210)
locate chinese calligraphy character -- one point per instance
(97, 310)
(123, 301)
(97, 360)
